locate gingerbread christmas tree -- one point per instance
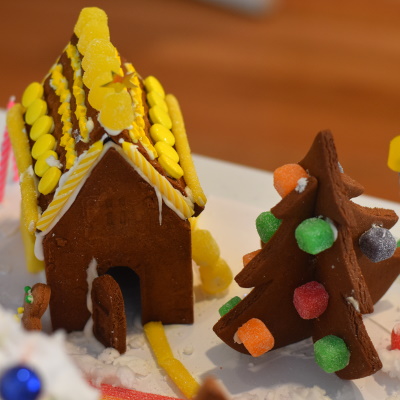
(324, 262)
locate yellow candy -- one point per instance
(394, 154)
(181, 377)
(171, 167)
(94, 29)
(43, 125)
(174, 368)
(49, 180)
(19, 138)
(44, 143)
(167, 150)
(158, 341)
(117, 113)
(183, 149)
(160, 133)
(98, 67)
(151, 83)
(32, 92)
(88, 14)
(37, 108)
(159, 116)
(97, 92)
(216, 278)
(154, 98)
(28, 238)
(98, 48)
(42, 165)
(205, 250)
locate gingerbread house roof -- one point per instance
(91, 100)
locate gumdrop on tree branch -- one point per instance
(324, 262)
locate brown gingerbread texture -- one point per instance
(345, 272)
(35, 307)
(101, 192)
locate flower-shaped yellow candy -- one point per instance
(89, 14)
(96, 49)
(94, 29)
(117, 112)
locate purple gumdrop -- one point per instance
(377, 244)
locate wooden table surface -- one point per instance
(254, 90)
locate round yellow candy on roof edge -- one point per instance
(43, 125)
(166, 149)
(42, 164)
(31, 93)
(159, 133)
(44, 143)
(36, 109)
(154, 98)
(159, 116)
(171, 167)
(49, 180)
(152, 83)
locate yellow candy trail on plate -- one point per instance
(216, 278)
(20, 143)
(174, 368)
(205, 250)
(183, 149)
(32, 92)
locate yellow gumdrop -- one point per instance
(97, 92)
(160, 133)
(152, 83)
(37, 108)
(44, 143)
(99, 66)
(167, 150)
(32, 92)
(43, 125)
(117, 112)
(98, 48)
(205, 250)
(172, 168)
(94, 29)
(216, 278)
(89, 14)
(154, 98)
(45, 161)
(49, 180)
(159, 116)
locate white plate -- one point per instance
(236, 195)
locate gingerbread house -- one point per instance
(107, 180)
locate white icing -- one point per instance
(159, 198)
(51, 161)
(351, 300)
(236, 338)
(301, 185)
(390, 362)
(91, 275)
(47, 355)
(333, 227)
(38, 248)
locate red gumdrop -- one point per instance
(396, 337)
(310, 300)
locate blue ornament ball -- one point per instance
(20, 383)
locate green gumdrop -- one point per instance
(331, 353)
(267, 224)
(234, 301)
(314, 235)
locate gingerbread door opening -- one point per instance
(116, 300)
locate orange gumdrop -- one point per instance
(286, 178)
(256, 337)
(249, 256)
